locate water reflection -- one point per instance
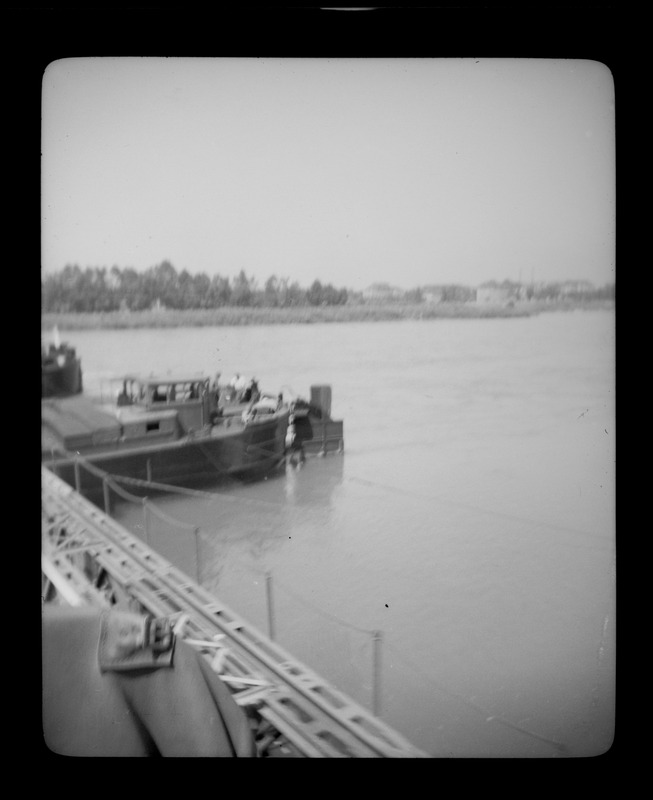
(314, 482)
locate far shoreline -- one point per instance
(305, 315)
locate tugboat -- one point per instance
(61, 369)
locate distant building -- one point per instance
(382, 292)
(432, 296)
(493, 295)
(576, 287)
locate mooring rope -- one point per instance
(168, 488)
(471, 507)
(322, 612)
(121, 492)
(299, 598)
(171, 520)
(220, 467)
(489, 717)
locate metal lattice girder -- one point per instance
(315, 718)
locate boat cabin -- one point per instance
(190, 398)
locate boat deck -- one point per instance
(80, 424)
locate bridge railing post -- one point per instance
(196, 533)
(377, 639)
(146, 521)
(107, 496)
(78, 481)
(270, 599)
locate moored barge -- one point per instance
(166, 429)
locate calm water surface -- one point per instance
(471, 519)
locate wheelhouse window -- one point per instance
(171, 393)
(159, 394)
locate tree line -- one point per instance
(104, 290)
(100, 289)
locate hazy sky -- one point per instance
(350, 171)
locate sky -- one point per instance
(350, 171)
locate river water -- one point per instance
(470, 520)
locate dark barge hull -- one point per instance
(245, 453)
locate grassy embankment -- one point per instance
(304, 315)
